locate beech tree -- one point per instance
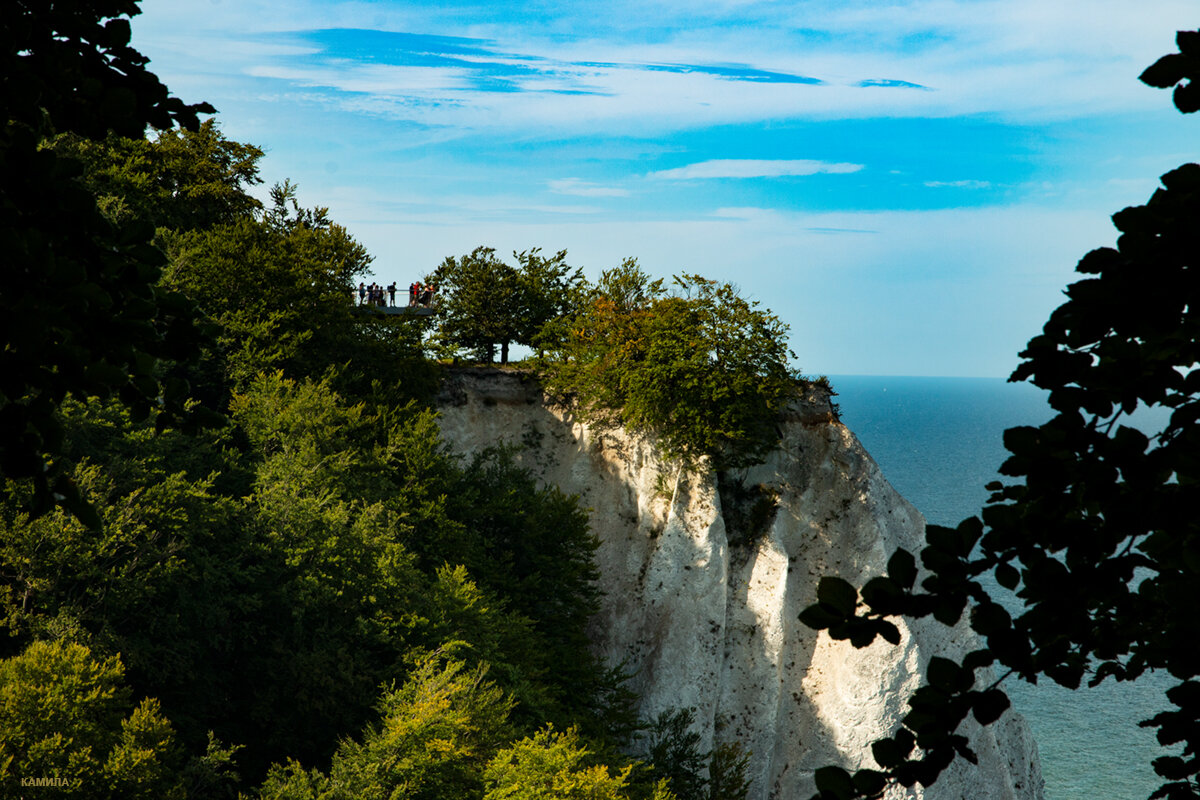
(79, 307)
(68, 718)
(485, 302)
(181, 179)
(480, 304)
(705, 370)
(1098, 536)
(551, 289)
(557, 766)
(433, 741)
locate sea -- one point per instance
(939, 442)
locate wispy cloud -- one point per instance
(574, 186)
(754, 168)
(657, 67)
(485, 66)
(433, 127)
(958, 184)
(889, 83)
(732, 72)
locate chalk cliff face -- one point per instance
(704, 577)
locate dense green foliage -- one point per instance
(68, 718)
(484, 302)
(315, 598)
(80, 308)
(1099, 537)
(433, 741)
(704, 370)
(554, 766)
(259, 585)
(181, 180)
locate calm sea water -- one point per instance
(938, 442)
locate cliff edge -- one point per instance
(704, 576)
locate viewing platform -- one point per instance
(380, 299)
(396, 311)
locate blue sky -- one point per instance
(907, 184)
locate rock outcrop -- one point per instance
(704, 577)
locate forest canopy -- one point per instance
(236, 558)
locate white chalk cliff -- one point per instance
(703, 587)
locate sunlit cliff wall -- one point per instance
(704, 578)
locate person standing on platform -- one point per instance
(392, 293)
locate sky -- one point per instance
(908, 185)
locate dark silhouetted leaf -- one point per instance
(834, 782)
(838, 594)
(989, 706)
(902, 568)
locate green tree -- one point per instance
(705, 370)
(278, 288)
(593, 350)
(551, 289)
(530, 548)
(341, 599)
(80, 311)
(486, 302)
(435, 737)
(1098, 537)
(673, 749)
(258, 579)
(68, 717)
(181, 179)
(480, 304)
(170, 580)
(727, 778)
(553, 766)
(276, 281)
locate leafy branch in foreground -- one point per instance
(1101, 539)
(80, 311)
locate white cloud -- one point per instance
(754, 168)
(574, 186)
(967, 184)
(1026, 60)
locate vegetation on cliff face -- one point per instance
(700, 368)
(703, 370)
(312, 598)
(1099, 537)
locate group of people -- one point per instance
(419, 295)
(373, 295)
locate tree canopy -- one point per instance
(180, 179)
(80, 307)
(1098, 535)
(484, 302)
(705, 370)
(238, 610)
